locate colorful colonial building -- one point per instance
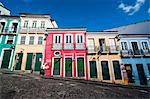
(30, 44)
(65, 53)
(103, 57)
(9, 28)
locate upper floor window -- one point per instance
(26, 24)
(79, 38)
(145, 45)
(31, 41)
(68, 39)
(34, 24)
(40, 40)
(2, 26)
(23, 40)
(91, 44)
(57, 38)
(124, 46)
(42, 24)
(10, 39)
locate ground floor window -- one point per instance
(29, 61)
(93, 69)
(105, 70)
(80, 66)
(117, 70)
(68, 67)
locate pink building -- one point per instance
(65, 53)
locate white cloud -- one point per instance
(149, 10)
(131, 9)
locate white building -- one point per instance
(4, 10)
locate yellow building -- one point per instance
(103, 57)
(31, 45)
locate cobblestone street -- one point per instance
(14, 86)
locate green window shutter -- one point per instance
(80, 67)
(38, 62)
(105, 70)
(29, 61)
(117, 70)
(68, 67)
(93, 69)
(56, 70)
(6, 58)
(19, 63)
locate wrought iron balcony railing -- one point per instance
(30, 29)
(135, 53)
(9, 30)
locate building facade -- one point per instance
(31, 44)
(135, 52)
(65, 53)
(103, 57)
(4, 10)
(9, 28)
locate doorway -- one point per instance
(68, 67)
(56, 64)
(93, 69)
(6, 58)
(142, 77)
(80, 66)
(128, 68)
(19, 61)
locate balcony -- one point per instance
(103, 49)
(32, 30)
(80, 46)
(92, 49)
(9, 31)
(135, 53)
(68, 46)
(113, 49)
(57, 46)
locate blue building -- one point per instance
(135, 51)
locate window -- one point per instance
(117, 70)
(79, 38)
(91, 44)
(42, 24)
(23, 40)
(34, 24)
(68, 39)
(10, 40)
(26, 24)
(124, 46)
(31, 41)
(40, 40)
(105, 70)
(57, 38)
(145, 45)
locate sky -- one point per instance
(95, 15)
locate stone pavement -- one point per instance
(32, 86)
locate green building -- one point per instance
(9, 29)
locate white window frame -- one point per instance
(7, 39)
(34, 24)
(24, 40)
(42, 24)
(30, 40)
(40, 41)
(142, 45)
(68, 39)
(26, 23)
(54, 38)
(124, 48)
(79, 35)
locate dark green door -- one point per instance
(38, 62)
(29, 61)
(68, 67)
(19, 61)
(117, 70)
(93, 69)
(56, 70)
(80, 67)
(6, 58)
(142, 77)
(105, 70)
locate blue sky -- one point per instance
(93, 14)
